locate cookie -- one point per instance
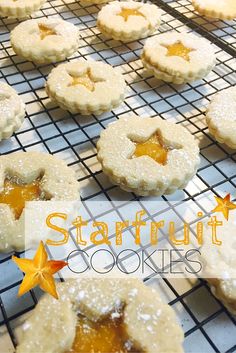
(224, 9)
(222, 278)
(86, 87)
(45, 40)
(128, 20)
(102, 315)
(178, 57)
(148, 156)
(221, 117)
(12, 111)
(30, 176)
(19, 8)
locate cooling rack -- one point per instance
(208, 326)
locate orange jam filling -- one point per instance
(85, 80)
(15, 195)
(178, 49)
(106, 336)
(125, 13)
(152, 148)
(45, 31)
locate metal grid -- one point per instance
(208, 326)
(223, 31)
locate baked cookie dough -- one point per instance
(45, 40)
(12, 111)
(19, 8)
(148, 156)
(119, 315)
(178, 57)
(30, 176)
(128, 20)
(223, 9)
(86, 87)
(221, 117)
(219, 263)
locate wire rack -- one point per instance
(208, 326)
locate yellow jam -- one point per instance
(178, 49)
(152, 148)
(45, 31)
(125, 13)
(85, 80)
(106, 336)
(15, 195)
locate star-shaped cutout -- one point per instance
(178, 49)
(125, 13)
(39, 272)
(45, 31)
(154, 148)
(224, 205)
(87, 80)
(16, 194)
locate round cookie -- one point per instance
(86, 87)
(128, 20)
(178, 57)
(221, 117)
(224, 9)
(19, 8)
(30, 176)
(45, 40)
(148, 156)
(124, 312)
(12, 111)
(222, 278)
